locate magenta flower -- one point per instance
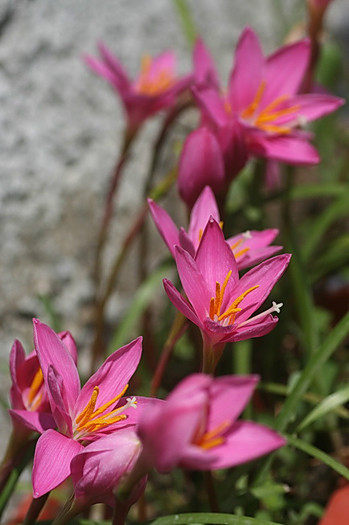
(201, 163)
(262, 111)
(156, 87)
(81, 415)
(98, 468)
(197, 426)
(220, 303)
(28, 396)
(248, 248)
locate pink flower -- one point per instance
(156, 87)
(248, 248)
(81, 415)
(197, 426)
(28, 396)
(261, 112)
(220, 303)
(98, 468)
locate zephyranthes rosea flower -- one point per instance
(156, 87)
(81, 415)
(248, 248)
(218, 301)
(30, 407)
(197, 427)
(262, 111)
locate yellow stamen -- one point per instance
(212, 307)
(249, 111)
(88, 416)
(233, 308)
(265, 116)
(236, 244)
(219, 304)
(35, 386)
(200, 234)
(216, 302)
(213, 438)
(276, 102)
(241, 252)
(86, 413)
(153, 84)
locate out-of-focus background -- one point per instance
(61, 130)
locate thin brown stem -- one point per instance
(34, 510)
(211, 492)
(178, 328)
(109, 204)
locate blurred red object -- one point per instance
(337, 510)
(49, 512)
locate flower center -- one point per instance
(152, 82)
(266, 118)
(213, 438)
(91, 420)
(35, 395)
(228, 316)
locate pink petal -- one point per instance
(193, 282)
(215, 259)
(247, 74)
(59, 401)
(262, 327)
(52, 351)
(284, 148)
(181, 304)
(245, 441)
(166, 430)
(52, 458)
(69, 342)
(212, 105)
(229, 396)
(164, 62)
(165, 225)
(285, 70)
(97, 469)
(186, 243)
(204, 68)
(204, 208)
(112, 376)
(265, 275)
(313, 106)
(200, 164)
(121, 80)
(36, 421)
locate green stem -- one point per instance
(13, 477)
(211, 355)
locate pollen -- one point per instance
(152, 82)
(90, 419)
(33, 398)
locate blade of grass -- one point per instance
(318, 454)
(186, 20)
(327, 405)
(198, 518)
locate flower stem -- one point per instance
(34, 510)
(98, 345)
(211, 355)
(109, 204)
(178, 328)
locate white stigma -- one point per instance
(131, 402)
(247, 235)
(276, 307)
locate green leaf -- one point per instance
(186, 20)
(140, 302)
(333, 258)
(328, 404)
(209, 518)
(313, 367)
(318, 454)
(309, 191)
(337, 209)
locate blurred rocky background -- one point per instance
(61, 130)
